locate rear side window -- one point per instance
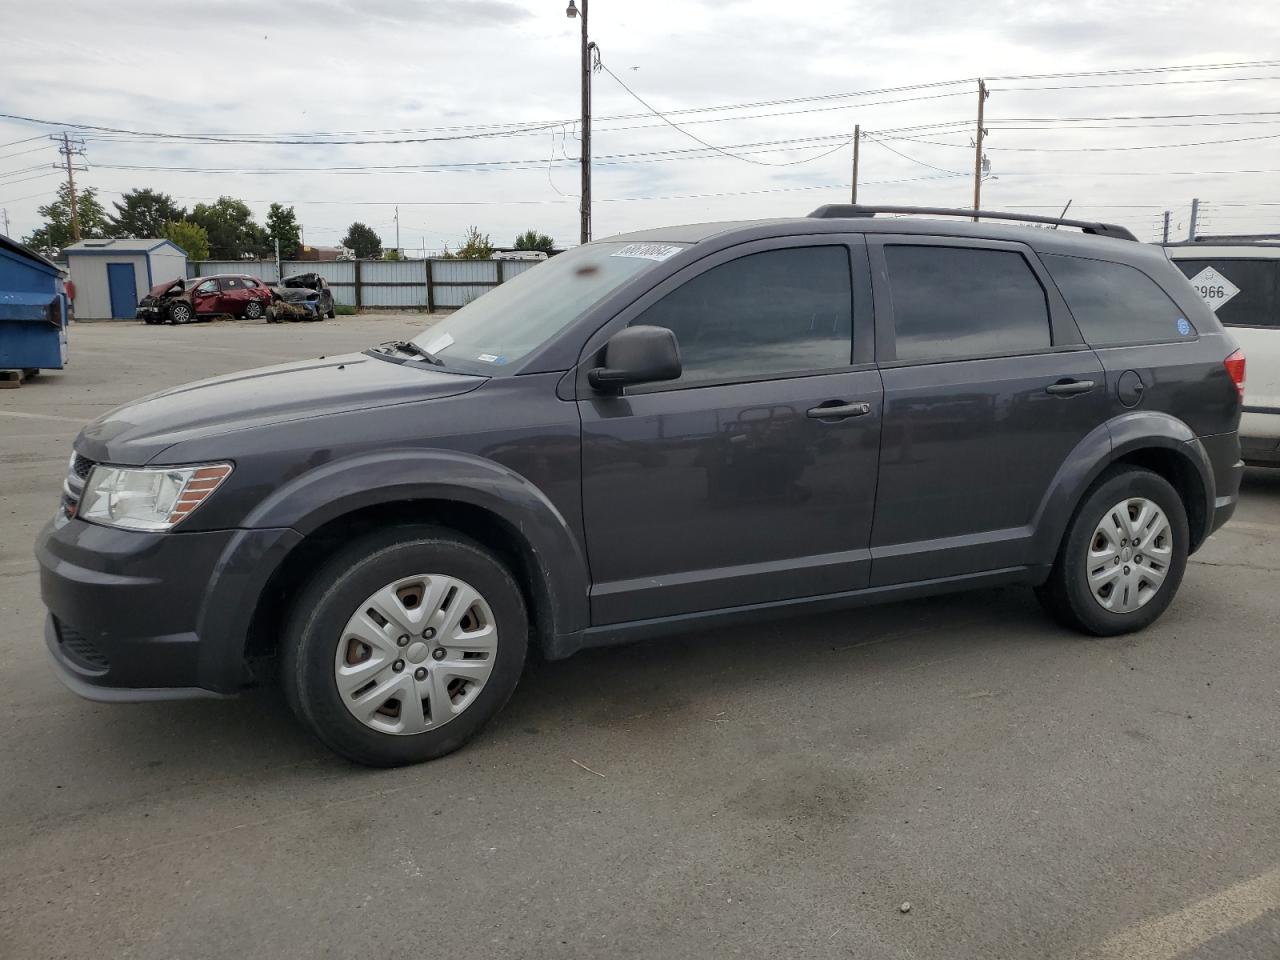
(230, 283)
(1114, 303)
(954, 302)
(1243, 293)
(767, 314)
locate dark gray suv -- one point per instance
(649, 434)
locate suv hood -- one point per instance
(173, 286)
(138, 432)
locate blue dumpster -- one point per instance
(33, 310)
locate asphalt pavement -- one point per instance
(778, 790)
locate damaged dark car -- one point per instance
(303, 296)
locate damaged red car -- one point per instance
(203, 298)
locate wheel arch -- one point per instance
(327, 506)
(1149, 439)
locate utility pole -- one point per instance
(1166, 227)
(977, 156)
(857, 140)
(584, 209)
(397, 229)
(69, 149)
(1195, 217)
(279, 272)
(4, 213)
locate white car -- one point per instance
(1241, 282)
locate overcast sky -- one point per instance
(381, 65)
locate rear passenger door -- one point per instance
(987, 390)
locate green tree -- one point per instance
(55, 233)
(191, 237)
(282, 226)
(361, 239)
(476, 246)
(143, 213)
(392, 255)
(233, 235)
(533, 240)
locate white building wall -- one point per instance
(167, 264)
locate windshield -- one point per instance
(515, 318)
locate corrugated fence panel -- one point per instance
(512, 267)
(264, 270)
(393, 283)
(459, 295)
(464, 271)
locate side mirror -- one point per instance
(639, 354)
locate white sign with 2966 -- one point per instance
(1213, 287)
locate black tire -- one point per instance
(1066, 595)
(324, 606)
(331, 314)
(253, 310)
(180, 313)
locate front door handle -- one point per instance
(1069, 388)
(834, 410)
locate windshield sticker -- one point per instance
(1184, 328)
(648, 251)
(440, 343)
(491, 358)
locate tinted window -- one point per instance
(766, 314)
(230, 283)
(1258, 302)
(953, 302)
(1116, 303)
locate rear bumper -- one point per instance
(140, 616)
(1225, 459)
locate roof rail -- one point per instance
(829, 211)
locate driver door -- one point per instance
(204, 298)
(727, 486)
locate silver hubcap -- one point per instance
(416, 654)
(1129, 555)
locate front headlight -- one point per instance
(148, 498)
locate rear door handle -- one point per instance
(1069, 388)
(834, 410)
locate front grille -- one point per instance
(73, 488)
(80, 650)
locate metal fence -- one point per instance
(407, 284)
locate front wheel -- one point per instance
(179, 313)
(404, 645)
(1123, 556)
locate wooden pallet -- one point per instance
(12, 379)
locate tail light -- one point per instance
(1235, 370)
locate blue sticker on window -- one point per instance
(1184, 328)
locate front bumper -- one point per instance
(145, 616)
(152, 310)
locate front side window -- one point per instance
(1114, 303)
(763, 315)
(209, 286)
(955, 302)
(1243, 293)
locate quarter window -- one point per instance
(766, 314)
(954, 302)
(1114, 303)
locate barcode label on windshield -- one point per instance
(648, 251)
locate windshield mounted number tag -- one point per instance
(648, 251)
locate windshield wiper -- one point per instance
(408, 346)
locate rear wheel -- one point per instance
(253, 310)
(1123, 557)
(179, 313)
(404, 646)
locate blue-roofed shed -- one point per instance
(111, 276)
